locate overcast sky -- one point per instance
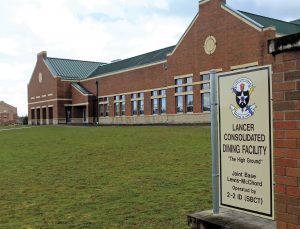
(98, 30)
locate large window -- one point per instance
(117, 109)
(154, 106)
(189, 103)
(179, 104)
(137, 103)
(184, 94)
(134, 105)
(163, 105)
(205, 92)
(103, 106)
(159, 101)
(141, 106)
(119, 101)
(179, 88)
(205, 98)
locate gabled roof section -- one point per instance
(81, 89)
(243, 17)
(185, 33)
(282, 27)
(71, 69)
(296, 21)
(133, 62)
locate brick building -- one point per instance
(8, 114)
(166, 86)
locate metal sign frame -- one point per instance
(265, 214)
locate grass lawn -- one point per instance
(2, 127)
(106, 177)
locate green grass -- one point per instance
(12, 126)
(111, 177)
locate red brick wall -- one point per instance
(78, 97)
(47, 86)
(237, 43)
(286, 107)
(135, 80)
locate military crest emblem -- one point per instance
(243, 89)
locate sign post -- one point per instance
(214, 140)
(245, 141)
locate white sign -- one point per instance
(245, 141)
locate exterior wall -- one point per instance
(8, 114)
(238, 43)
(286, 106)
(175, 119)
(49, 93)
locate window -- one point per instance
(179, 104)
(163, 105)
(123, 108)
(184, 94)
(141, 107)
(154, 93)
(137, 103)
(134, 105)
(159, 101)
(189, 80)
(106, 110)
(103, 106)
(179, 89)
(117, 109)
(154, 106)
(101, 109)
(119, 102)
(163, 92)
(205, 92)
(205, 98)
(205, 86)
(189, 103)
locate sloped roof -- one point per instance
(79, 70)
(296, 21)
(80, 88)
(133, 62)
(282, 27)
(71, 69)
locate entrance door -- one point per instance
(84, 115)
(50, 110)
(38, 116)
(68, 115)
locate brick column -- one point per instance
(286, 113)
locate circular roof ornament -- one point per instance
(210, 45)
(40, 77)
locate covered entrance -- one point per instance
(79, 114)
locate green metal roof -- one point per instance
(133, 62)
(80, 88)
(282, 27)
(296, 21)
(71, 69)
(78, 70)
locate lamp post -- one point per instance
(97, 103)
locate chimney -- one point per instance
(217, 1)
(42, 55)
